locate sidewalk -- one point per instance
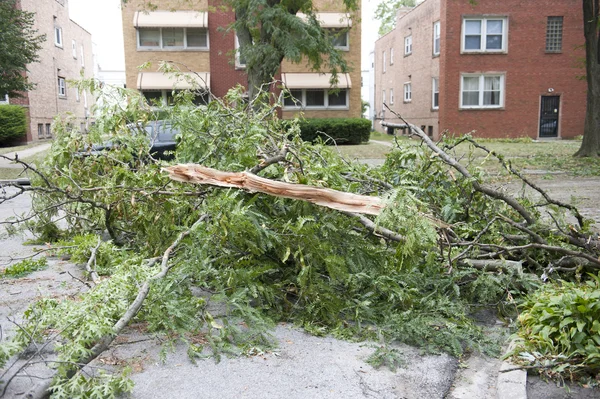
(27, 152)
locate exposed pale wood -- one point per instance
(192, 173)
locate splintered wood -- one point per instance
(339, 200)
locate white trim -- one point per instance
(315, 80)
(58, 36)
(437, 36)
(408, 45)
(162, 47)
(391, 96)
(384, 62)
(435, 84)
(5, 100)
(238, 64)
(74, 48)
(481, 91)
(407, 92)
(340, 31)
(62, 87)
(391, 56)
(483, 34)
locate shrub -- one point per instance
(342, 130)
(13, 123)
(560, 327)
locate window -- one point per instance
(482, 91)
(165, 96)
(172, 38)
(383, 97)
(4, 100)
(436, 38)
(240, 62)
(58, 39)
(74, 48)
(392, 96)
(40, 130)
(384, 62)
(408, 45)
(554, 34)
(407, 92)
(484, 35)
(391, 56)
(77, 95)
(316, 98)
(48, 131)
(339, 38)
(62, 87)
(435, 89)
(82, 57)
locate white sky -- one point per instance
(102, 18)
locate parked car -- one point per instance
(160, 133)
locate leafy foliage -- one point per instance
(13, 122)
(24, 267)
(560, 329)
(255, 259)
(19, 46)
(386, 13)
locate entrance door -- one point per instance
(549, 116)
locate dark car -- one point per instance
(160, 133)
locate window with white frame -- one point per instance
(554, 28)
(436, 38)
(58, 38)
(339, 38)
(383, 97)
(384, 65)
(482, 91)
(316, 99)
(408, 45)
(407, 92)
(240, 62)
(82, 57)
(62, 87)
(435, 93)
(74, 48)
(166, 96)
(77, 95)
(172, 38)
(4, 99)
(391, 96)
(484, 34)
(391, 56)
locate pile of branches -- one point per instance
(276, 230)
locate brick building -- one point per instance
(65, 54)
(502, 68)
(194, 38)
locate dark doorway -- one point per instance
(549, 116)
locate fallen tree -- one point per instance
(444, 240)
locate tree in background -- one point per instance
(590, 146)
(386, 13)
(19, 45)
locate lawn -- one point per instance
(550, 156)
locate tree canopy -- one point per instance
(19, 46)
(385, 13)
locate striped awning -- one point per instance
(185, 80)
(170, 19)
(315, 80)
(331, 19)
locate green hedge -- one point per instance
(13, 122)
(342, 130)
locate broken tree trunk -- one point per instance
(341, 201)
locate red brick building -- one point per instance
(497, 68)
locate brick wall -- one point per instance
(529, 70)
(55, 61)
(418, 68)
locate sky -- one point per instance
(102, 18)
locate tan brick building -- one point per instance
(66, 53)
(193, 38)
(506, 68)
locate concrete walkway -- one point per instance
(24, 153)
